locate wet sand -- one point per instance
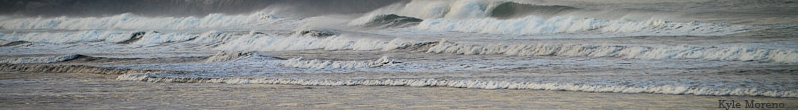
(100, 91)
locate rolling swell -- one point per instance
(47, 59)
(70, 69)
(385, 21)
(514, 10)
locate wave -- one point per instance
(559, 24)
(621, 51)
(385, 21)
(13, 43)
(121, 37)
(73, 69)
(329, 64)
(236, 41)
(47, 59)
(462, 9)
(131, 21)
(660, 89)
(348, 41)
(229, 56)
(509, 10)
(67, 37)
(273, 42)
(87, 8)
(503, 17)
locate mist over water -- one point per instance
(178, 8)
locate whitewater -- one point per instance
(461, 44)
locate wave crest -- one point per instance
(637, 52)
(131, 21)
(329, 64)
(538, 25)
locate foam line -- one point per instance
(564, 24)
(261, 42)
(329, 64)
(478, 84)
(737, 53)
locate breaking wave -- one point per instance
(385, 21)
(460, 9)
(47, 59)
(636, 52)
(559, 24)
(501, 17)
(122, 37)
(430, 19)
(329, 64)
(131, 21)
(509, 10)
(73, 69)
(273, 42)
(67, 37)
(229, 56)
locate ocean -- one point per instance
(692, 47)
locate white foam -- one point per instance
(479, 84)
(330, 64)
(738, 53)
(68, 37)
(47, 59)
(131, 21)
(562, 24)
(427, 9)
(474, 16)
(150, 37)
(271, 42)
(230, 56)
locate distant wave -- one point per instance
(150, 37)
(131, 21)
(537, 25)
(490, 17)
(46, 59)
(503, 17)
(184, 8)
(459, 9)
(67, 37)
